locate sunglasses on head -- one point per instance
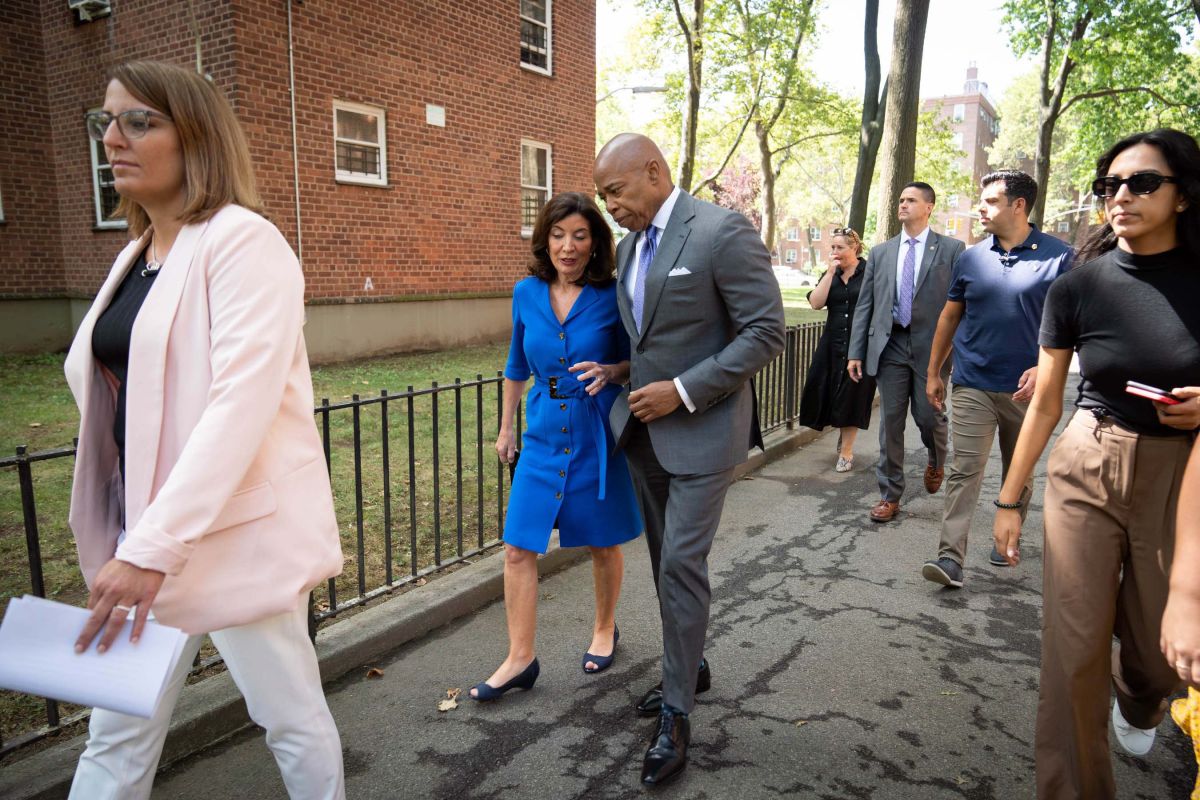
(1138, 182)
(843, 231)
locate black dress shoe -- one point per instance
(651, 703)
(667, 755)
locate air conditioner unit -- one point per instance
(88, 10)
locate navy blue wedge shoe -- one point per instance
(602, 662)
(485, 693)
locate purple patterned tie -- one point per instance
(639, 281)
(907, 279)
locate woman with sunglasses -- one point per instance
(830, 397)
(214, 511)
(1113, 478)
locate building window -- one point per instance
(960, 112)
(952, 201)
(360, 144)
(789, 256)
(793, 234)
(957, 140)
(535, 35)
(1064, 226)
(535, 182)
(814, 234)
(104, 192)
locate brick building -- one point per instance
(402, 147)
(976, 125)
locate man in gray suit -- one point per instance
(902, 295)
(704, 314)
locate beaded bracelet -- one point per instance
(1010, 506)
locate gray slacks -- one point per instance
(901, 384)
(681, 514)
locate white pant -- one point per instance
(275, 667)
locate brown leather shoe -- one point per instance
(885, 511)
(933, 478)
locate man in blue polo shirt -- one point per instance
(993, 312)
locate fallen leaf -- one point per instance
(800, 723)
(35, 424)
(420, 582)
(547, 596)
(451, 700)
(374, 672)
(960, 780)
(366, 383)
(949, 694)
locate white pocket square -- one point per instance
(679, 271)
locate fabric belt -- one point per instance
(569, 387)
(898, 328)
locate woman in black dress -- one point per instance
(830, 397)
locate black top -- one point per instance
(840, 303)
(1131, 318)
(111, 335)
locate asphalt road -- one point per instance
(838, 672)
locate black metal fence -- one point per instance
(416, 484)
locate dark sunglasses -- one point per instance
(843, 231)
(134, 124)
(1138, 182)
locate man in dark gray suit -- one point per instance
(903, 292)
(704, 314)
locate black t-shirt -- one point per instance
(1131, 318)
(111, 335)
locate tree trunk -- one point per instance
(903, 103)
(1196, 8)
(693, 37)
(763, 134)
(871, 128)
(1052, 100)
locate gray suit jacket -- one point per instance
(873, 315)
(713, 328)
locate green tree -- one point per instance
(1098, 51)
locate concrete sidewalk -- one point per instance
(838, 672)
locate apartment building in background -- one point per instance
(402, 147)
(976, 125)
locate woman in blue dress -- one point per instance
(568, 336)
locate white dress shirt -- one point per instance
(661, 218)
(921, 238)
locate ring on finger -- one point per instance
(126, 609)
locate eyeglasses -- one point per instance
(844, 232)
(133, 123)
(1138, 182)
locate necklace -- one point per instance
(153, 265)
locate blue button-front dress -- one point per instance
(567, 445)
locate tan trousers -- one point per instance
(975, 417)
(1110, 531)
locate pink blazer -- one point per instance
(226, 489)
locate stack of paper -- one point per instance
(37, 656)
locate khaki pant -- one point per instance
(975, 416)
(1110, 530)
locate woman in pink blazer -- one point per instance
(200, 492)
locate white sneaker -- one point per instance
(1135, 741)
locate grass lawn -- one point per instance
(796, 309)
